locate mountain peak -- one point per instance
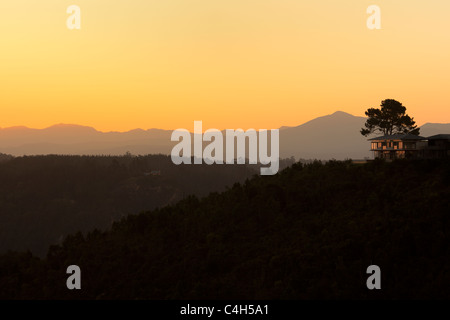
(15, 128)
(341, 113)
(68, 126)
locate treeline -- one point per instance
(45, 198)
(5, 157)
(310, 232)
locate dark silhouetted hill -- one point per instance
(45, 198)
(309, 232)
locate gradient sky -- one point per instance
(230, 63)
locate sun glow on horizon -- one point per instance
(232, 64)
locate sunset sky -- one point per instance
(230, 63)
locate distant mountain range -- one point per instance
(332, 136)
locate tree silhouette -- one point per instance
(390, 119)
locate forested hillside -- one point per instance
(45, 198)
(309, 232)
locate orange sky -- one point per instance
(231, 64)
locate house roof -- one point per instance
(399, 137)
(440, 137)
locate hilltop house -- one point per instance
(438, 146)
(410, 146)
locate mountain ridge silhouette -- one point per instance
(332, 136)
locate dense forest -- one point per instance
(308, 232)
(45, 198)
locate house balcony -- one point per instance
(394, 149)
